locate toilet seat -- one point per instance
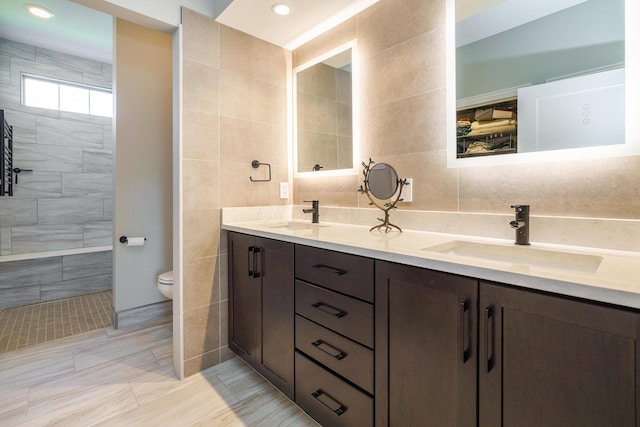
(166, 278)
(165, 284)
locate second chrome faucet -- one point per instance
(521, 224)
(314, 211)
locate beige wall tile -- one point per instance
(202, 362)
(244, 140)
(330, 191)
(601, 188)
(248, 99)
(399, 72)
(201, 330)
(200, 38)
(201, 231)
(410, 125)
(204, 285)
(200, 135)
(337, 36)
(390, 22)
(434, 185)
(200, 87)
(254, 58)
(243, 192)
(200, 187)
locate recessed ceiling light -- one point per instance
(39, 11)
(280, 9)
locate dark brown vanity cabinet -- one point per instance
(334, 337)
(551, 361)
(261, 305)
(426, 347)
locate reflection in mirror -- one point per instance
(323, 113)
(381, 183)
(539, 76)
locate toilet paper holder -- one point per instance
(124, 239)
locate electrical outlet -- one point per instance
(284, 190)
(407, 191)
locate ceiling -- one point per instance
(87, 32)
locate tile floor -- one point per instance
(125, 378)
(24, 326)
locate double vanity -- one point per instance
(365, 328)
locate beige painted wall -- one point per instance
(143, 156)
(233, 112)
(401, 44)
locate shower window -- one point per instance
(42, 92)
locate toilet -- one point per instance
(165, 284)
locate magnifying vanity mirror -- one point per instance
(541, 80)
(381, 184)
(324, 114)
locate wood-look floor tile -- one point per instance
(90, 356)
(115, 378)
(266, 409)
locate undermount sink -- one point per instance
(522, 255)
(298, 226)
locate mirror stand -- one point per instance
(375, 194)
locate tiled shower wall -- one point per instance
(46, 279)
(66, 202)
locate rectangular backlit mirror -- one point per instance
(540, 80)
(324, 114)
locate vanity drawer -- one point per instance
(345, 273)
(340, 313)
(343, 356)
(328, 399)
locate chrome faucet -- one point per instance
(521, 224)
(315, 210)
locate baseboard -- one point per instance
(147, 315)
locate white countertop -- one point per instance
(614, 278)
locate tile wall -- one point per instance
(46, 279)
(233, 111)
(401, 44)
(66, 202)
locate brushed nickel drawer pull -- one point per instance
(329, 310)
(329, 349)
(329, 402)
(333, 270)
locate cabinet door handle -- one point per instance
(256, 263)
(329, 402)
(250, 260)
(329, 349)
(332, 270)
(329, 309)
(464, 339)
(489, 338)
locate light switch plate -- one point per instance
(407, 191)
(284, 190)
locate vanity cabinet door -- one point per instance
(425, 347)
(245, 298)
(261, 305)
(552, 361)
(278, 314)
